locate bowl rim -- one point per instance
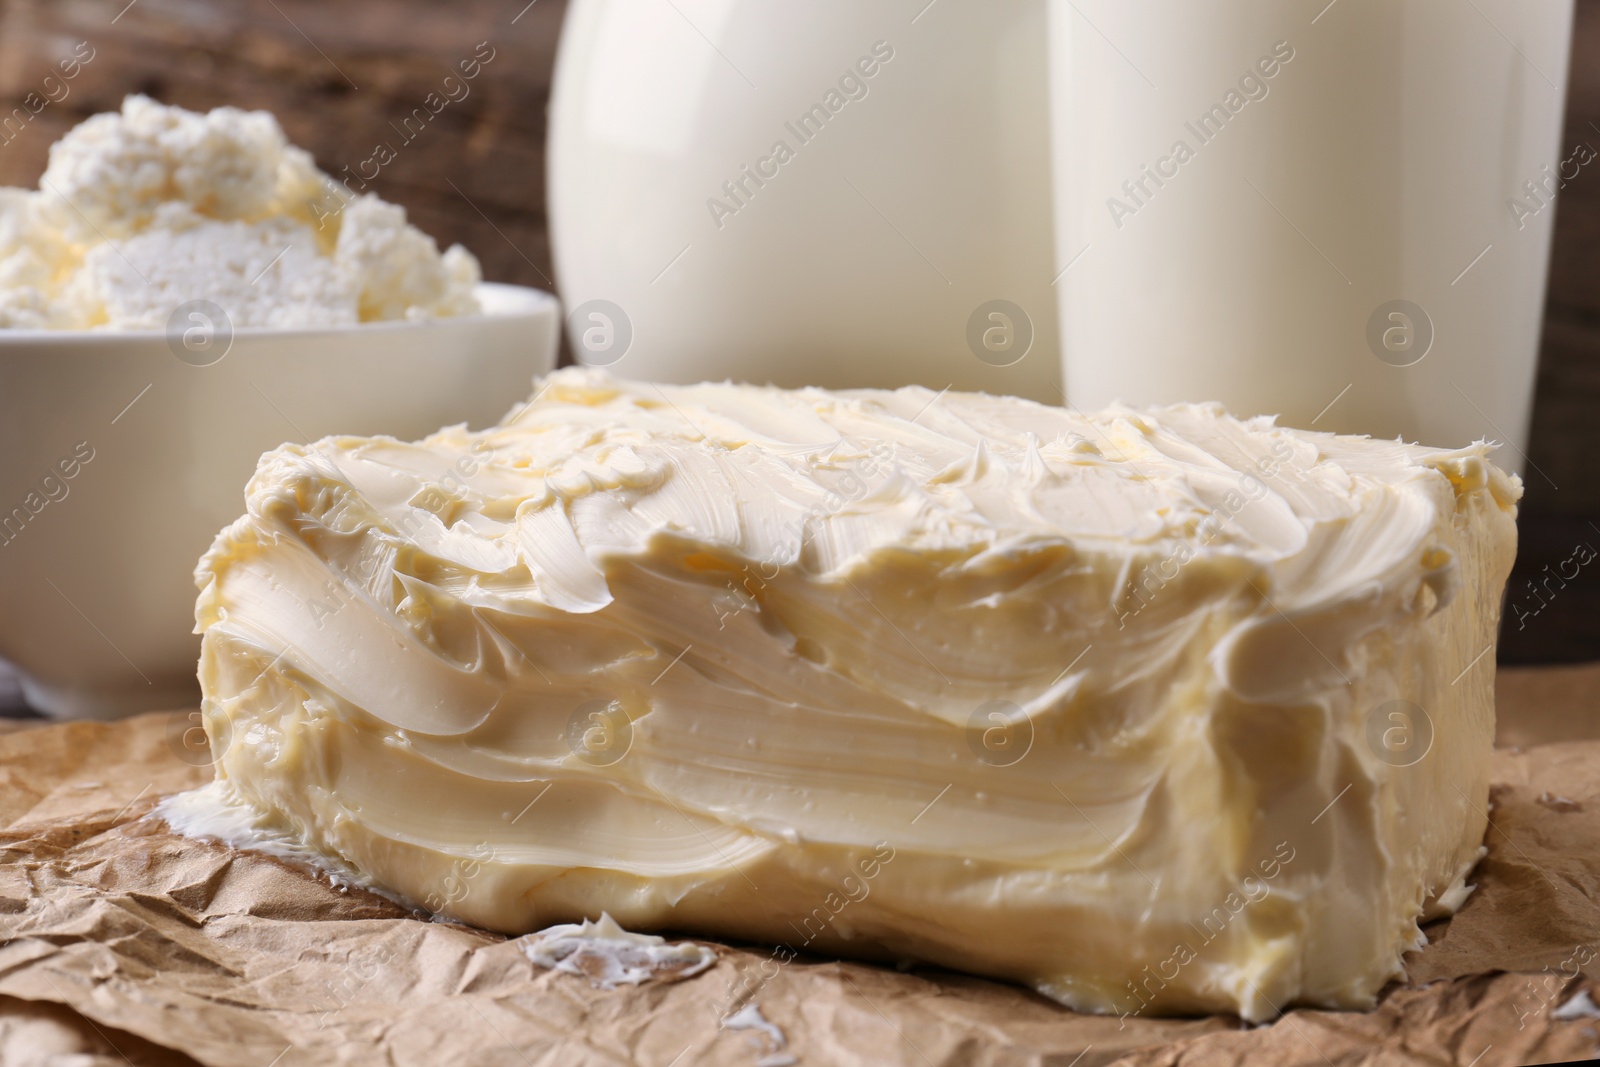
(515, 301)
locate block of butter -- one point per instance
(1153, 711)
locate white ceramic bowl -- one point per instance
(122, 460)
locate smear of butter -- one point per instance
(1154, 711)
(214, 812)
(609, 956)
(1580, 1006)
(749, 1017)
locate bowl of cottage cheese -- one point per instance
(181, 293)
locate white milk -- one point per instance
(1387, 158)
(859, 257)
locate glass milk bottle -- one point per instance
(1336, 212)
(837, 192)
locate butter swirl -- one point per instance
(689, 653)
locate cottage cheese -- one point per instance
(144, 209)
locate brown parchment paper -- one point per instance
(122, 943)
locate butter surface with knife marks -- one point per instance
(1151, 710)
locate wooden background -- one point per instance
(337, 72)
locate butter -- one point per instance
(1154, 711)
(610, 956)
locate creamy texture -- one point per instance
(1581, 1006)
(1082, 701)
(214, 812)
(610, 956)
(147, 208)
(749, 1017)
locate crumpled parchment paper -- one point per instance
(123, 943)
